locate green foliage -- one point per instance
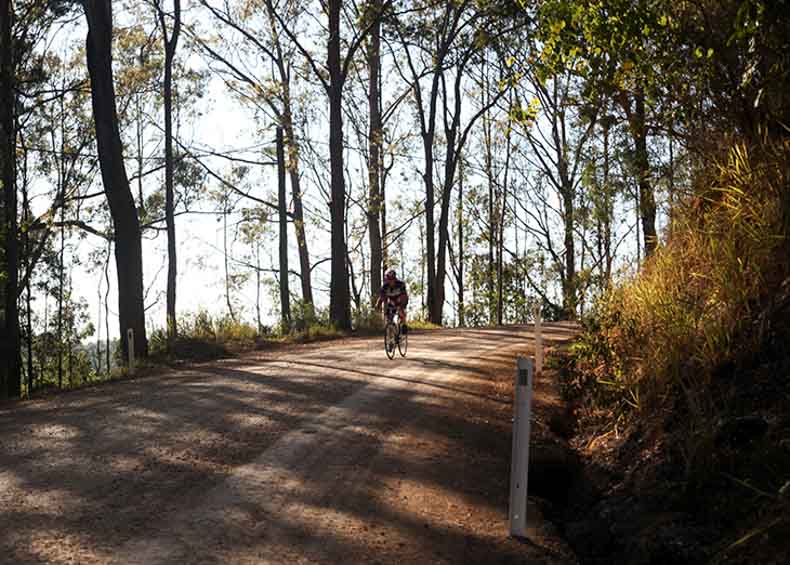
(367, 318)
(203, 337)
(305, 315)
(672, 337)
(309, 323)
(422, 325)
(697, 342)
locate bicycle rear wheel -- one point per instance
(389, 340)
(403, 344)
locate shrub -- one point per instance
(669, 338)
(367, 318)
(202, 337)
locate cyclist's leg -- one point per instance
(402, 313)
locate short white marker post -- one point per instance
(538, 342)
(130, 343)
(519, 464)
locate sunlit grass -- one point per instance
(669, 342)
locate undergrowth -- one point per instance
(697, 343)
(202, 336)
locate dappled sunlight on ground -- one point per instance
(326, 453)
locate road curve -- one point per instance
(328, 453)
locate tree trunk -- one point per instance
(28, 284)
(433, 292)
(491, 217)
(292, 147)
(107, 352)
(500, 295)
(444, 235)
(647, 202)
(282, 204)
(339, 298)
(374, 165)
(128, 247)
(569, 290)
(298, 211)
(61, 257)
(228, 300)
(608, 211)
(172, 262)
(258, 287)
(460, 281)
(10, 366)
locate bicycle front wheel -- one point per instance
(389, 340)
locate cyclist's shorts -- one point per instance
(401, 300)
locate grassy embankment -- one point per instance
(691, 359)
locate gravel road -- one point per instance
(327, 453)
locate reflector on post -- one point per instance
(519, 465)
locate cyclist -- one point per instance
(394, 292)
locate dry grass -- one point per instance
(700, 330)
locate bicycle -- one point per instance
(393, 336)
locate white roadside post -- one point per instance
(519, 464)
(538, 342)
(130, 341)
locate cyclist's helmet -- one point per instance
(390, 276)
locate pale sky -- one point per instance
(225, 125)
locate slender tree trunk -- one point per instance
(28, 286)
(460, 281)
(170, 44)
(140, 156)
(70, 333)
(228, 300)
(374, 142)
(671, 187)
(638, 230)
(384, 245)
(99, 358)
(423, 295)
(292, 147)
(647, 206)
(285, 293)
(10, 366)
(61, 186)
(500, 266)
(500, 299)
(569, 294)
(26, 219)
(454, 144)
(298, 208)
(61, 258)
(258, 287)
(450, 164)
(432, 294)
(128, 248)
(608, 210)
(339, 293)
(444, 236)
(107, 351)
(491, 219)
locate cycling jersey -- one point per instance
(394, 293)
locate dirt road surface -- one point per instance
(328, 453)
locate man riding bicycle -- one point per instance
(394, 293)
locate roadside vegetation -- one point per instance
(694, 355)
(681, 378)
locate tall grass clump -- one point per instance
(202, 336)
(669, 341)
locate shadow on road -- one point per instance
(84, 475)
